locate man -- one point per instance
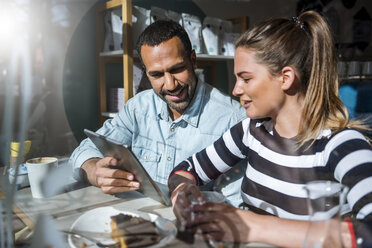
(179, 116)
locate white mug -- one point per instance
(38, 169)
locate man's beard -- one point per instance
(181, 104)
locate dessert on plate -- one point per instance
(133, 231)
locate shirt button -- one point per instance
(145, 157)
(172, 129)
(169, 158)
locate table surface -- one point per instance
(65, 208)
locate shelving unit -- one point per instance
(127, 55)
(201, 57)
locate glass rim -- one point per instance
(322, 188)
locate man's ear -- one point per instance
(193, 59)
(288, 75)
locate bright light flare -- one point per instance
(13, 24)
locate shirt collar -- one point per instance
(192, 113)
(269, 126)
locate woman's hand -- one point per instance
(219, 221)
(182, 198)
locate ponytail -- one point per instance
(306, 44)
(322, 106)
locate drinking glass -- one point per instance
(325, 200)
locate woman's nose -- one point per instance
(238, 90)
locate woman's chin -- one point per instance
(254, 115)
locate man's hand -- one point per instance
(104, 173)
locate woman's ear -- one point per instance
(288, 77)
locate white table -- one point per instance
(65, 208)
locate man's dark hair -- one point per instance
(161, 31)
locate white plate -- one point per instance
(97, 221)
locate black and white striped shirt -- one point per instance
(277, 170)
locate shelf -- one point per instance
(356, 79)
(117, 53)
(108, 114)
(213, 57)
(206, 57)
(127, 54)
(117, 56)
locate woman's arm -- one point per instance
(224, 222)
(178, 181)
(351, 160)
(182, 188)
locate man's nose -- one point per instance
(169, 81)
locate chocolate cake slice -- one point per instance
(133, 231)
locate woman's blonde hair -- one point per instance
(306, 44)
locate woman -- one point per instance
(298, 131)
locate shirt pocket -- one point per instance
(146, 155)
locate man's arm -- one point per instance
(88, 162)
(89, 171)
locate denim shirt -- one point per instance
(159, 142)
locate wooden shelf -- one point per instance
(356, 79)
(109, 114)
(206, 57)
(126, 58)
(127, 54)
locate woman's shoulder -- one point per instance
(346, 141)
(346, 134)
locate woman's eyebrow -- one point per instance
(239, 74)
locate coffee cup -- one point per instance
(38, 169)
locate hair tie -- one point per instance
(298, 22)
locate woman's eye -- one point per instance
(246, 79)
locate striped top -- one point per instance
(277, 170)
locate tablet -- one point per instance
(129, 162)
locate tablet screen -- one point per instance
(128, 162)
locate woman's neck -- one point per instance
(287, 121)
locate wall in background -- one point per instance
(80, 76)
(257, 10)
(80, 84)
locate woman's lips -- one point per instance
(246, 104)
